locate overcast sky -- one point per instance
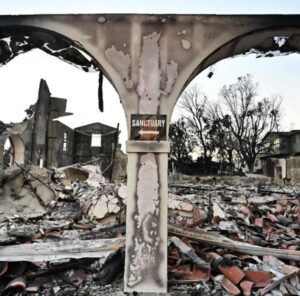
(275, 76)
(153, 6)
(20, 78)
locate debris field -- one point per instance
(237, 238)
(62, 232)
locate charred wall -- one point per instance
(293, 169)
(39, 132)
(60, 145)
(84, 151)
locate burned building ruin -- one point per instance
(282, 161)
(44, 141)
(149, 59)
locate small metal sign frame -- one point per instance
(148, 127)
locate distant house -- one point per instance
(281, 159)
(43, 140)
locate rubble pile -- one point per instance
(60, 229)
(236, 239)
(77, 194)
(62, 233)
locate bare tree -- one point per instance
(182, 142)
(194, 103)
(249, 118)
(224, 141)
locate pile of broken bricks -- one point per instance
(235, 239)
(81, 193)
(62, 233)
(60, 230)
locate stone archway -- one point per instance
(266, 42)
(17, 153)
(20, 39)
(12, 150)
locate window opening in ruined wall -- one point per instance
(96, 140)
(13, 152)
(65, 143)
(64, 83)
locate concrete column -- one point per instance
(147, 210)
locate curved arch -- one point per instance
(35, 37)
(51, 42)
(259, 41)
(17, 150)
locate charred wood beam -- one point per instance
(38, 179)
(188, 252)
(201, 187)
(100, 92)
(113, 266)
(273, 285)
(49, 251)
(103, 247)
(217, 240)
